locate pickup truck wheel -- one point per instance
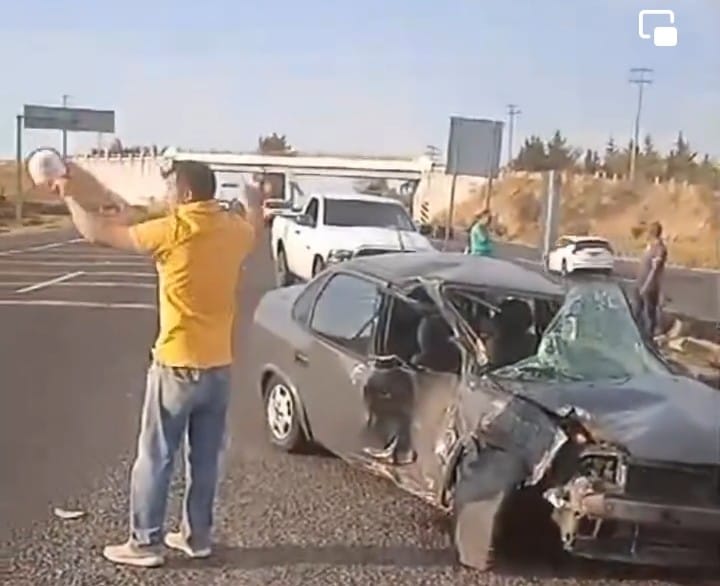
(318, 266)
(564, 268)
(283, 278)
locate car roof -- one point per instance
(581, 238)
(358, 197)
(455, 267)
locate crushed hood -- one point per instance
(353, 237)
(662, 418)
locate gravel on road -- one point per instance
(285, 520)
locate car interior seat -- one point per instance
(512, 339)
(437, 352)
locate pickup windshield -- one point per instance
(356, 212)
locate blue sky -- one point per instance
(372, 76)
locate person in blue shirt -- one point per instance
(481, 243)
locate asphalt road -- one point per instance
(690, 292)
(72, 360)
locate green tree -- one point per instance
(680, 163)
(559, 154)
(532, 155)
(614, 161)
(708, 173)
(650, 163)
(591, 162)
(273, 144)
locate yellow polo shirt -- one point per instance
(199, 250)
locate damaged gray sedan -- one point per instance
(477, 385)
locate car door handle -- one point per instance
(301, 358)
(297, 231)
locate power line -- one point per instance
(512, 111)
(640, 76)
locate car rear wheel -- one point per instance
(318, 266)
(283, 278)
(283, 413)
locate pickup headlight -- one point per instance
(339, 255)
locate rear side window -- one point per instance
(304, 303)
(347, 312)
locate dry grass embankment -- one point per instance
(616, 210)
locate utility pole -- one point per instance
(513, 111)
(640, 76)
(64, 132)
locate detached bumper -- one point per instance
(660, 515)
(633, 531)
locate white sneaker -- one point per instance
(131, 554)
(176, 540)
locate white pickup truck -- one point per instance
(334, 228)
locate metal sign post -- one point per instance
(552, 211)
(18, 169)
(473, 149)
(56, 118)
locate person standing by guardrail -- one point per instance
(649, 279)
(481, 243)
(199, 250)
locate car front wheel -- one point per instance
(318, 266)
(283, 413)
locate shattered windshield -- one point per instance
(592, 337)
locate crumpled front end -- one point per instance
(615, 508)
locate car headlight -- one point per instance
(339, 255)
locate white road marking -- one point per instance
(91, 304)
(115, 284)
(56, 280)
(38, 247)
(56, 263)
(29, 273)
(87, 273)
(118, 284)
(78, 255)
(119, 274)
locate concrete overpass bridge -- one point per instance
(138, 179)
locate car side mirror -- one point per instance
(425, 229)
(304, 220)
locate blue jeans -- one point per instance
(179, 403)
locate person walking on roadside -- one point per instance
(199, 251)
(649, 280)
(481, 243)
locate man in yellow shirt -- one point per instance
(198, 249)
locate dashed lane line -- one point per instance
(59, 263)
(49, 282)
(83, 304)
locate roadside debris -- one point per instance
(68, 514)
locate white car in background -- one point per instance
(573, 253)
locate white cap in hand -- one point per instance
(45, 165)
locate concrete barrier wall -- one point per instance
(136, 179)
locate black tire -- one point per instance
(318, 266)
(283, 278)
(285, 430)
